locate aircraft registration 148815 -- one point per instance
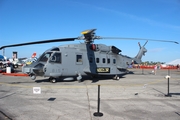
(73, 61)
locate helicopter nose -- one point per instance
(26, 69)
(38, 69)
(34, 69)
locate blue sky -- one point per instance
(33, 20)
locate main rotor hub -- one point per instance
(89, 35)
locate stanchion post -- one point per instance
(98, 114)
(168, 95)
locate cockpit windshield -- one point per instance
(45, 56)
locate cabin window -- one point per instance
(108, 60)
(97, 60)
(56, 58)
(79, 59)
(104, 60)
(114, 61)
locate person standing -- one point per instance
(155, 69)
(178, 67)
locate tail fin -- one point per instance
(141, 52)
(33, 55)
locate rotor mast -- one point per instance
(89, 36)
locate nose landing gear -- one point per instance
(32, 76)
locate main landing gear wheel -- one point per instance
(79, 77)
(116, 77)
(52, 80)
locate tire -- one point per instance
(33, 77)
(53, 80)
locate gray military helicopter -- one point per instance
(73, 61)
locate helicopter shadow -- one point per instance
(85, 78)
(129, 72)
(58, 80)
(41, 81)
(101, 78)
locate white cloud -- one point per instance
(131, 16)
(156, 50)
(142, 19)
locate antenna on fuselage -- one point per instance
(139, 45)
(145, 43)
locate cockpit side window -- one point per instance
(45, 57)
(56, 58)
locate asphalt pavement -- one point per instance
(138, 95)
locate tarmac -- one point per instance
(139, 95)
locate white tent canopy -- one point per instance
(174, 62)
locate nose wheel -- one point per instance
(33, 77)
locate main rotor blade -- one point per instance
(137, 39)
(39, 42)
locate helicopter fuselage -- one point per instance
(79, 60)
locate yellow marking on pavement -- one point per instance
(84, 86)
(15, 85)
